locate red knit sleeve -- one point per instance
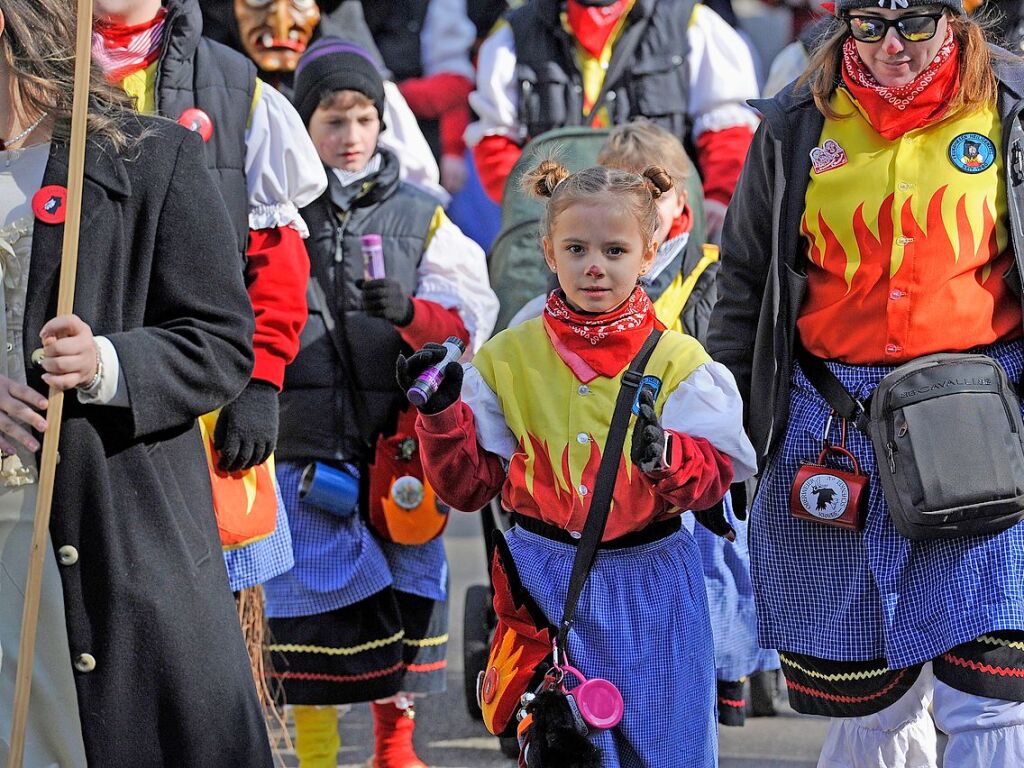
(276, 271)
(444, 97)
(432, 322)
(720, 155)
(494, 157)
(697, 476)
(462, 473)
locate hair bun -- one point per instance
(542, 180)
(659, 180)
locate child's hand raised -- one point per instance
(408, 369)
(648, 449)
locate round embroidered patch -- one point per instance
(50, 204)
(972, 152)
(198, 121)
(824, 496)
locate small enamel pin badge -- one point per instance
(828, 157)
(972, 152)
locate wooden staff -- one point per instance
(48, 465)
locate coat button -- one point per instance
(85, 662)
(10, 347)
(583, 490)
(67, 555)
(575, 534)
(582, 438)
(583, 390)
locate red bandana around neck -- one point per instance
(599, 345)
(121, 50)
(593, 25)
(894, 110)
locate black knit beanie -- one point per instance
(331, 64)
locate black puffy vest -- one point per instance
(197, 72)
(649, 73)
(396, 29)
(333, 408)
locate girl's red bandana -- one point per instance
(894, 110)
(593, 25)
(599, 345)
(123, 51)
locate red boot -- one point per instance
(392, 737)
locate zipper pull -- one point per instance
(1016, 164)
(890, 449)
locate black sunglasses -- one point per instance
(914, 29)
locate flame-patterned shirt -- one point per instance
(523, 404)
(907, 239)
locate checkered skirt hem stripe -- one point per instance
(836, 594)
(843, 688)
(991, 665)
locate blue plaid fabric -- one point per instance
(731, 600)
(851, 596)
(262, 560)
(338, 561)
(420, 570)
(641, 623)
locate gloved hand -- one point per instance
(385, 298)
(407, 369)
(246, 432)
(648, 448)
(714, 520)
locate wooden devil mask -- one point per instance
(275, 33)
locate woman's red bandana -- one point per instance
(599, 345)
(894, 110)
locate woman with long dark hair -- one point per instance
(139, 659)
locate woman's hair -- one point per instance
(38, 47)
(636, 191)
(634, 146)
(977, 80)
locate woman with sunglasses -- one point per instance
(872, 226)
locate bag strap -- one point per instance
(597, 517)
(831, 389)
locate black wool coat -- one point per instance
(147, 598)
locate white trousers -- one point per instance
(983, 732)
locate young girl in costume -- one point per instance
(530, 418)
(361, 618)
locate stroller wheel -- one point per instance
(509, 746)
(475, 642)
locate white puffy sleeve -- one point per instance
(402, 135)
(283, 171)
(453, 273)
(495, 100)
(722, 75)
(708, 404)
(446, 38)
(492, 433)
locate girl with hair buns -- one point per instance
(530, 417)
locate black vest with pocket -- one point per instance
(334, 408)
(197, 72)
(649, 73)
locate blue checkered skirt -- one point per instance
(849, 596)
(731, 599)
(642, 623)
(262, 560)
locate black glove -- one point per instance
(648, 448)
(714, 520)
(407, 369)
(246, 432)
(385, 298)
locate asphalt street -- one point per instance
(446, 736)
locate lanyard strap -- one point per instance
(600, 505)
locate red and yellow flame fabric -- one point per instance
(245, 503)
(906, 251)
(560, 433)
